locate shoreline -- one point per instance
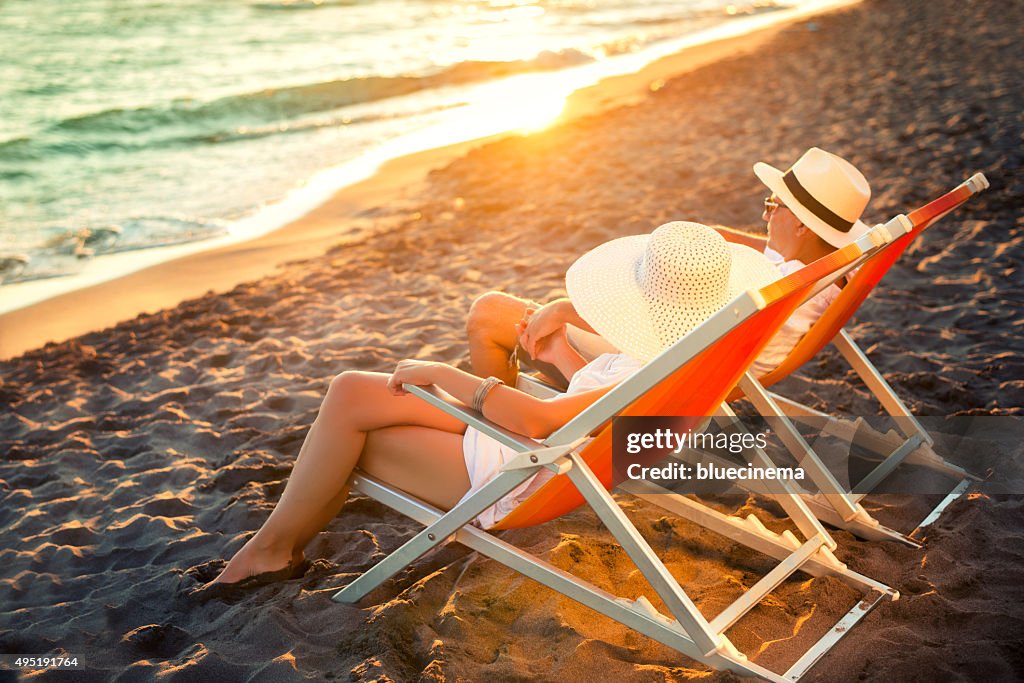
(357, 207)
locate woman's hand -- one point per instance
(541, 323)
(419, 373)
(549, 348)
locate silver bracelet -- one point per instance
(485, 388)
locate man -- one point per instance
(814, 209)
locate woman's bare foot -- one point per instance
(254, 560)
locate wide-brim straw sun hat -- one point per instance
(643, 293)
(826, 192)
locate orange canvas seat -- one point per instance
(714, 372)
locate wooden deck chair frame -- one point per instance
(835, 505)
(739, 331)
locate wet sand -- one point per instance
(137, 456)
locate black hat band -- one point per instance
(813, 205)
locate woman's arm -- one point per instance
(506, 406)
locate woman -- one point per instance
(642, 293)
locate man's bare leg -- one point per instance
(490, 329)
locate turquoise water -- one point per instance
(128, 125)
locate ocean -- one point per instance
(134, 131)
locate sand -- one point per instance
(137, 456)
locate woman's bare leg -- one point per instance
(356, 404)
(427, 463)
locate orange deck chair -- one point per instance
(835, 505)
(691, 378)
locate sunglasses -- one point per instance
(771, 204)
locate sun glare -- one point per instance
(526, 103)
(524, 106)
(521, 104)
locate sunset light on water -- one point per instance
(170, 129)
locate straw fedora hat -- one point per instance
(645, 292)
(825, 192)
